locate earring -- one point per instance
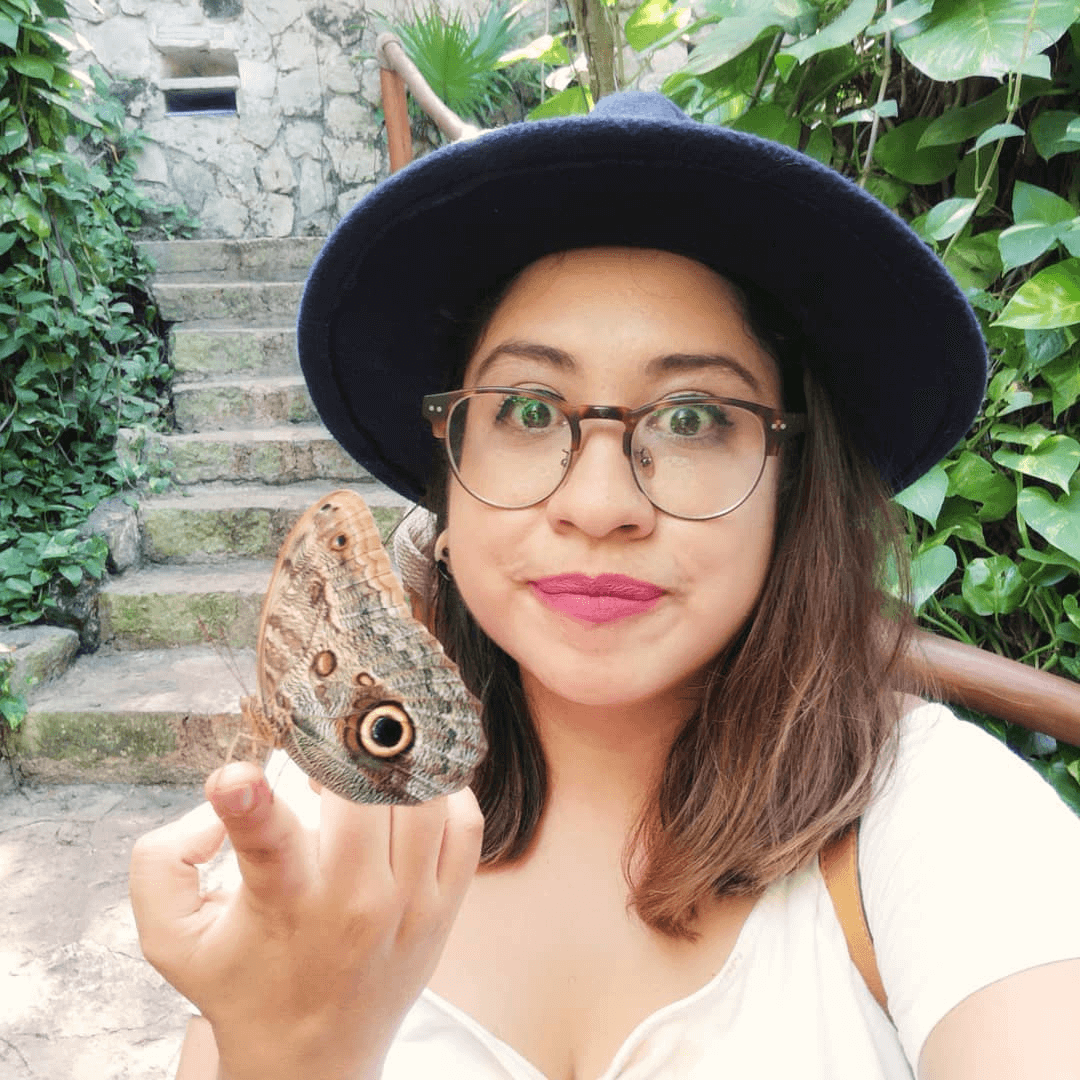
(442, 555)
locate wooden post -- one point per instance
(396, 113)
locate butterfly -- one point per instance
(358, 693)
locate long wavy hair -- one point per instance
(798, 715)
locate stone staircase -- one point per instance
(158, 701)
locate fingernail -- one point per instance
(237, 801)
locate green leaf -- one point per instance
(843, 29)
(573, 101)
(888, 190)
(974, 478)
(897, 153)
(9, 32)
(885, 109)
(988, 38)
(742, 22)
(770, 122)
(930, 569)
(925, 496)
(1051, 298)
(30, 214)
(820, 145)
(1063, 376)
(74, 574)
(654, 20)
(34, 67)
(974, 261)
(1049, 133)
(1055, 460)
(948, 217)
(1056, 521)
(959, 125)
(71, 105)
(998, 131)
(546, 49)
(1026, 242)
(1042, 346)
(1032, 203)
(993, 586)
(903, 20)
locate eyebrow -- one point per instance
(561, 360)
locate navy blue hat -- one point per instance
(895, 343)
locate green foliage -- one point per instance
(80, 355)
(964, 117)
(12, 705)
(460, 59)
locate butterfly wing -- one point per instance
(358, 692)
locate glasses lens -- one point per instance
(698, 459)
(510, 450)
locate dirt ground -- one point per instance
(77, 1000)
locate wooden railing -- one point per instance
(959, 673)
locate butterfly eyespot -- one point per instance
(324, 663)
(386, 731)
(364, 679)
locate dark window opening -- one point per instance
(217, 102)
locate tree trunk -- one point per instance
(592, 21)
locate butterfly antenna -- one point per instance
(221, 645)
(389, 538)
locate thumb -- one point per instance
(269, 841)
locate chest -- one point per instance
(554, 965)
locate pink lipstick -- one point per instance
(596, 599)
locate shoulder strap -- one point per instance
(839, 861)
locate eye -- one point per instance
(527, 412)
(690, 421)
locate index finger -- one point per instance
(271, 847)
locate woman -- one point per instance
(672, 616)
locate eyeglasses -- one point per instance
(692, 455)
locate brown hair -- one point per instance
(797, 715)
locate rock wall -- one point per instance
(263, 116)
(283, 134)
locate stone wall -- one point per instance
(286, 134)
(303, 140)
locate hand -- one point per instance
(308, 968)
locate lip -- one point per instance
(602, 599)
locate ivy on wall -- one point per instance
(80, 352)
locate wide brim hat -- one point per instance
(893, 340)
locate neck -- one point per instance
(605, 760)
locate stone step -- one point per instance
(159, 716)
(281, 455)
(276, 259)
(242, 402)
(39, 655)
(162, 606)
(215, 523)
(253, 301)
(202, 350)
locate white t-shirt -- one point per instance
(970, 868)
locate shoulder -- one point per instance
(970, 869)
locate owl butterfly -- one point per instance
(355, 690)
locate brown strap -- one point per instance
(839, 861)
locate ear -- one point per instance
(441, 548)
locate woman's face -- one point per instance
(615, 326)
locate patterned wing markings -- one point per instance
(354, 689)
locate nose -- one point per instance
(599, 495)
